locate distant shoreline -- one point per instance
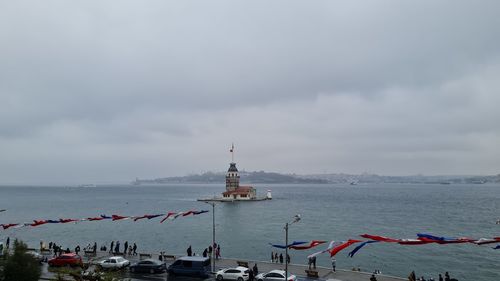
(262, 177)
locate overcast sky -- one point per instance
(106, 91)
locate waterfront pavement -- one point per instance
(325, 274)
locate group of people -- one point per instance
(207, 252)
(90, 248)
(412, 277)
(57, 250)
(275, 258)
(127, 249)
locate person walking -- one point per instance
(77, 249)
(314, 262)
(276, 257)
(125, 248)
(272, 256)
(117, 247)
(255, 269)
(205, 253)
(440, 278)
(334, 264)
(251, 276)
(7, 244)
(135, 249)
(94, 248)
(281, 258)
(111, 247)
(288, 258)
(217, 252)
(189, 251)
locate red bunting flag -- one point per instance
(37, 223)
(342, 246)
(117, 217)
(7, 226)
(167, 216)
(379, 238)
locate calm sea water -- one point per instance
(329, 212)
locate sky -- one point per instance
(107, 91)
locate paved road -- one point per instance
(297, 269)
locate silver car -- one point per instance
(114, 263)
(275, 275)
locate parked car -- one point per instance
(275, 275)
(149, 265)
(70, 259)
(191, 266)
(239, 273)
(113, 263)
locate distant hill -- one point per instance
(245, 177)
(270, 177)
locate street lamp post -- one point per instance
(296, 218)
(213, 233)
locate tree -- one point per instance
(21, 266)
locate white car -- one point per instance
(39, 257)
(239, 273)
(114, 263)
(275, 275)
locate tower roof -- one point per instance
(232, 167)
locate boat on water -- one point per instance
(87, 185)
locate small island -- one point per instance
(235, 191)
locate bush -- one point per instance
(20, 266)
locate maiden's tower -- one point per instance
(235, 191)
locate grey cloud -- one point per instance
(385, 86)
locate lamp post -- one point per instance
(213, 233)
(296, 218)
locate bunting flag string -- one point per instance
(172, 215)
(422, 239)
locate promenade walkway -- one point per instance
(263, 266)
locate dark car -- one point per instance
(149, 265)
(70, 259)
(190, 266)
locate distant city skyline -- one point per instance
(101, 92)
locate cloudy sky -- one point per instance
(106, 91)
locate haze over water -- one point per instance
(329, 212)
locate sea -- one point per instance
(245, 230)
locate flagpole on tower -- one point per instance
(232, 152)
